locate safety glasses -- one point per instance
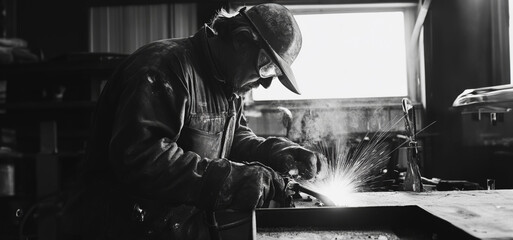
(266, 67)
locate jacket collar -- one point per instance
(201, 37)
(203, 34)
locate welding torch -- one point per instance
(298, 187)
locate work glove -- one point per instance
(292, 159)
(251, 185)
(246, 185)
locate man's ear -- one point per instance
(242, 37)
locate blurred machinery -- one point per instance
(486, 124)
(493, 104)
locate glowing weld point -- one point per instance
(341, 195)
(341, 191)
(356, 168)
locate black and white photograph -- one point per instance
(256, 120)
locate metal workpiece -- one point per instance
(410, 120)
(376, 222)
(412, 179)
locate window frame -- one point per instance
(413, 62)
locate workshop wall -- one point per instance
(325, 124)
(466, 47)
(53, 27)
(56, 27)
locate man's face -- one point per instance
(244, 81)
(254, 70)
(245, 75)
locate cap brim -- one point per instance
(287, 79)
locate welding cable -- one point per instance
(42, 203)
(413, 45)
(30, 211)
(421, 17)
(234, 224)
(215, 228)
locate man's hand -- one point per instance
(294, 160)
(251, 185)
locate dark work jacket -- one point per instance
(161, 119)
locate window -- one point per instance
(349, 51)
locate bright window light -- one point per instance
(347, 55)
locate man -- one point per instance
(170, 142)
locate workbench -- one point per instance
(484, 214)
(479, 214)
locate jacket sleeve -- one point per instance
(249, 147)
(143, 151)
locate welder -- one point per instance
(169, 137)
